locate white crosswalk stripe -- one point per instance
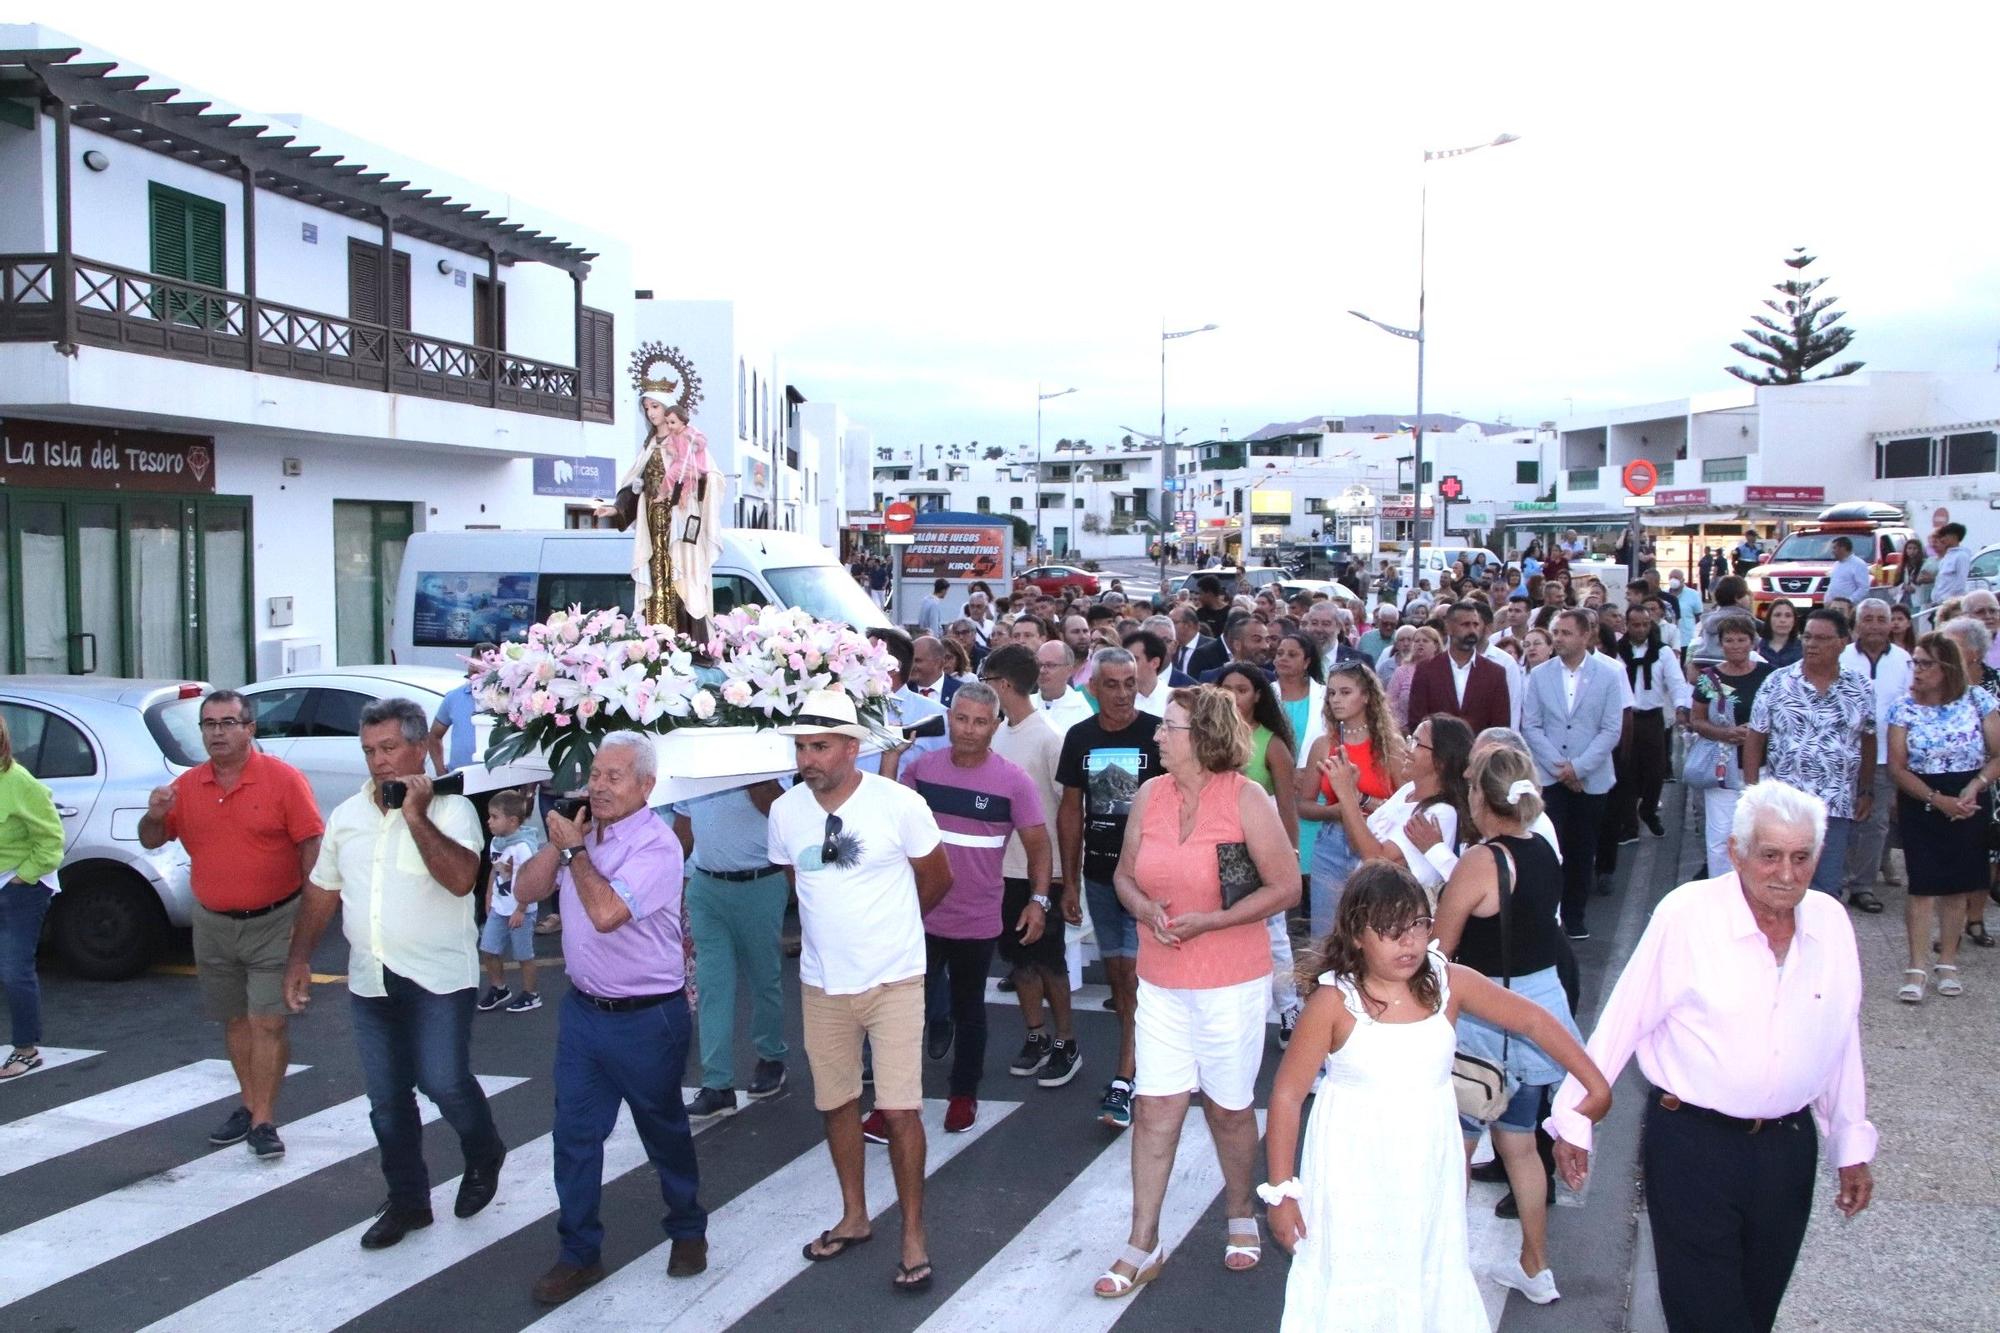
(763, 1232)
(346, 1289)
(43, 1253)
(55, 1057)
(49, 1134)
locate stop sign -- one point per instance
(900, 516)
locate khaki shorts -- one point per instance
(891, 1017)
(241, 964)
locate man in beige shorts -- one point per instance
(867, 860)
(252, 833)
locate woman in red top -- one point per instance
(1357, 714)
(1204, 968)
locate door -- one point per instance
(71, 617)
(364, 286)
(56, 750)
(489, 315)
(368, 542)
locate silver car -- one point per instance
(102, 745)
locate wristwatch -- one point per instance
(567, 854)
(1040, 900)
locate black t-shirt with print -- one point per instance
(1108, 767)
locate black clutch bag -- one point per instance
(1236, 872)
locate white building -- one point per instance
(222, 414)
(1761, 457)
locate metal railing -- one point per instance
(130, 310)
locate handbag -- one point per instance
(1484, 1087)
(1706, 763)
(1236, 872)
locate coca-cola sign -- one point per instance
(65, 455)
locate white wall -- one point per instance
(22, 172)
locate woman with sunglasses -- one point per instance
(1944, 752)
(1498, 917)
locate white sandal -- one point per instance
(1145, 1267)
(1947, 982)
(1912, 992)
(1243, 1226)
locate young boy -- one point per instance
(508, 923)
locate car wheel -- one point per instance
(107, 922)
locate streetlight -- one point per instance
(1041, 398)
(1166, 444)
(1086, 476)
(1416, 335)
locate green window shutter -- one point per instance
(206, 262)
(188, 235)
(169, 227)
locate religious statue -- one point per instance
(671, 497)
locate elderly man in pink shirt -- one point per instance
(1742, 1003)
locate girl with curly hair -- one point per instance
(1358, 721)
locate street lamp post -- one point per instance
(1416, 335)
(1041, 398)
(1169, 498)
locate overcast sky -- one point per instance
(935, 206)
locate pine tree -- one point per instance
(1804, 334)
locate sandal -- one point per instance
(1912, 992)
(1976, 932)
(911, 1286)
(1861, 900)
(1947, 982)
(1145, 1267)
(19, 1063)
(818, 1252)
(1254, 1251)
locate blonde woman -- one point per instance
(1424, 644)
(31, 847)
(1357, 719)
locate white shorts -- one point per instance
(1211, 1039)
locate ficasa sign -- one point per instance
(64, 455)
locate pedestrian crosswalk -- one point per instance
(1035, 1272)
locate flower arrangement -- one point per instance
(579, 676)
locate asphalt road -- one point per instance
(117, 1215)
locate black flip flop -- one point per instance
(1863, 901)
(841, 1245)
(908, 1285)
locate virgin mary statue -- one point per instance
(671, 499)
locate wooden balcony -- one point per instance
(103, 305)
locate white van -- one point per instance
(461, 588)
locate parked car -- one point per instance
(1055, 580)
(312, 720)
(102, 745)
(1985, 570)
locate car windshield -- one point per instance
(176, 728)
(829, 592)
(1813, 546)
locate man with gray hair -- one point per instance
(1742, 1002)
(401, 861)
(979, 800)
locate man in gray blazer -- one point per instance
(1572, 716)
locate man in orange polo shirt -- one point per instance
(252, 834)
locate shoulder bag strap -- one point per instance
(1503, 866)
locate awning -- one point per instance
(1670, 519)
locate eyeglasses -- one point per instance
(1920, 663)
(1421, 924)
(828, 851)
(222, 723)
(1175, 726)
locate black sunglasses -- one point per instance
(828, 853)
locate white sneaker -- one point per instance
(1541, 1288)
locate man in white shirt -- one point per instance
(1888, 668)
(981, 615)
(932, 612)
(1659, 692)
(1954, 564)
(1851, 576)
(1055, 699)
(1503, 659)
(867, 861)
(1151, 656)
(404, 872)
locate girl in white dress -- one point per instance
(1375, 1218)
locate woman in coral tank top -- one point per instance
(1358, 720)
(1204, 863)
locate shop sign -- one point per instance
(576, 478)
(943, 551)
(102, 458)
(1784, 495)
(1403, 508)
(1534, 506)
(1697, 495)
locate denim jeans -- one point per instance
(738, 925)
(1333, 861)
(22, 907)
(412, 1039)
(1832, 867)
(602, 1060)
(959, 968)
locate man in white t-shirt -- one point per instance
(1954, 563)
(867, 861)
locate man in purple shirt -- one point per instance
(625, 1025)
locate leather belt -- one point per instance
(1796, 1119)
(741, 876)
(256, 912)
(624, 1004)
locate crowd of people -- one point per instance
(1385, 827)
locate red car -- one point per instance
(1058, 579)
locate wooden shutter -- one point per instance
(596, 354)
(169, 227)
(206, 261)
(364, 284)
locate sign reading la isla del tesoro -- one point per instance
(62, 454)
